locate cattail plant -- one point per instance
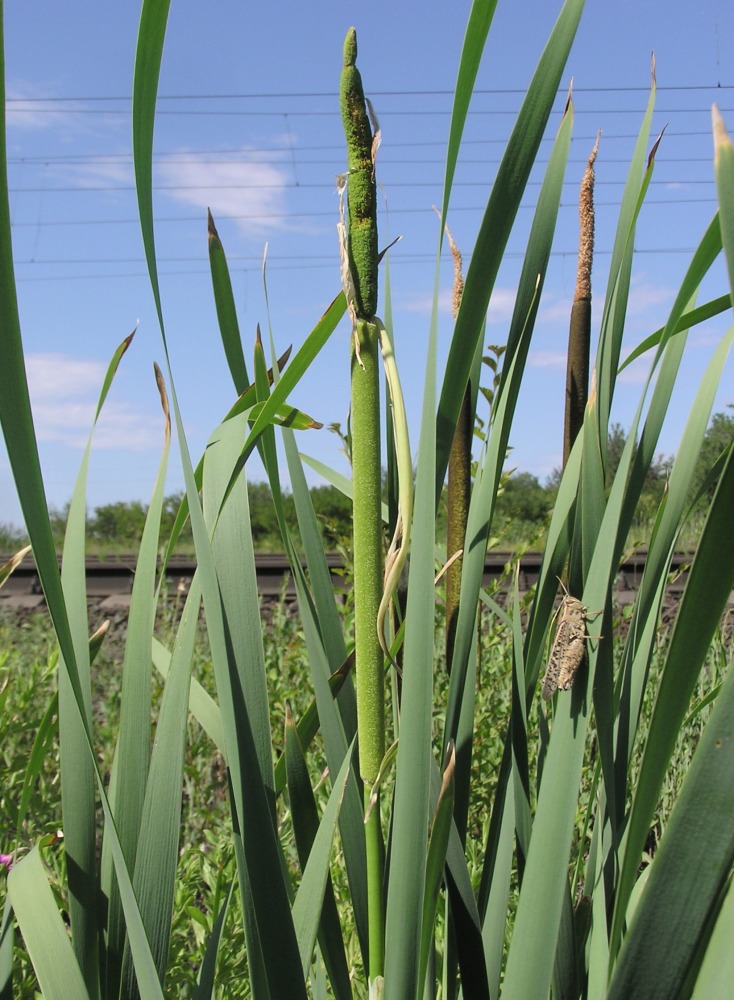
(559, 812)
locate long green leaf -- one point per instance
(717, 971)
(307, 907)
(226, 312)
(7, 940)
(160, 821)
(488, 475)
(43, 930)
(305, 827)
(133, 744)
(620, 268)
(251, 805)
(438, 843)
(499, 217)
(690, 319)
(724, 169)
(475, 37)
(78, 794)
(691, 869)
(411, 804)
(709, 584)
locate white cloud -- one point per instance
(26, 111)
(500, 306)
(424, 303)
(64, 393)
(547, 359)
(644, 295)
(554, 312)
(102, 172)
(637, 372)
(231, 186)
(29, 110)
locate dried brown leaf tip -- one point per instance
(160, 382)
(586, 227)
(655, 146)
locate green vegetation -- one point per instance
(222, 835)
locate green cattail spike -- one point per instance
(362, 195)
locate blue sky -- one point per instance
(248, 125)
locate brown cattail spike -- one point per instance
(459, 482)
(586, 224)
(579, 335)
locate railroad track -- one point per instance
(111, 578)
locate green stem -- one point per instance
(375, 867)
(367, 530)
(367, 533)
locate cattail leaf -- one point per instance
(43, 930)
(229, 330)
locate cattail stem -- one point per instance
(361, 263)
(367, 531)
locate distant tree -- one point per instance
(263, 521)
(719, 435)
(11, 539)
(118, 523)
(333, 509)
(58, 519)
(616, 441)
(524, 499)
(171, 505)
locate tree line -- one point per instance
(522, 507)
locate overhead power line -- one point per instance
(333, 95)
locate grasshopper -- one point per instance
(569, 647)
